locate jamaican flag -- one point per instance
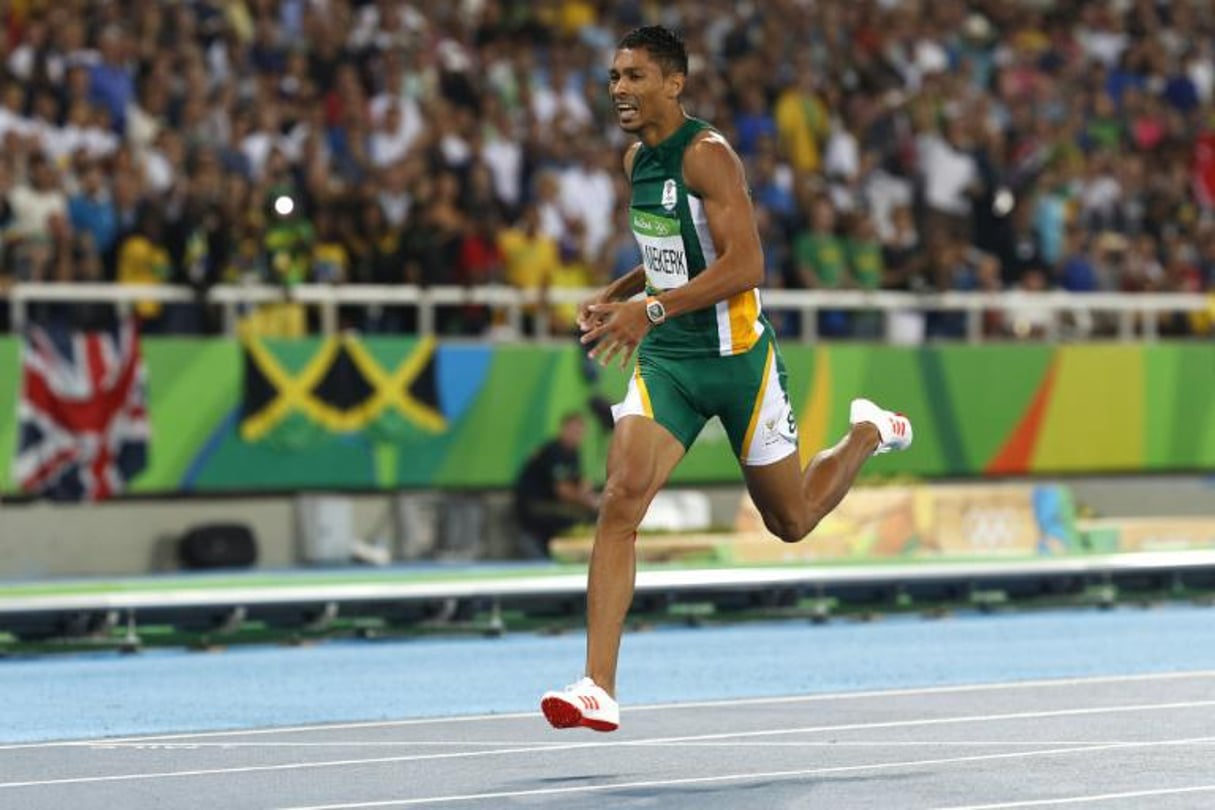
(298, 392)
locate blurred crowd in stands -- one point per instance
(903, 144)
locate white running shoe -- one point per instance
(581, 704)
(894, 428)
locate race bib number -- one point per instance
(662, 250)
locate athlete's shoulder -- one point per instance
(710, 144)
(708, 158)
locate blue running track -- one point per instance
(95, 695)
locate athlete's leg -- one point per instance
(763, 431)
(640, 459)
(793, 501)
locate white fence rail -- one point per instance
(1133, 314)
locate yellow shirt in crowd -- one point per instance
(573, 274)
(531, 261)
(803, 123)
(142, 262)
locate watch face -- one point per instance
(655, 311)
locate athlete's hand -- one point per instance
(616, 329)
(587, 321)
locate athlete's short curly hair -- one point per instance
(665, 47)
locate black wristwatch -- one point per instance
(654, 310)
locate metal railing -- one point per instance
(1132, 314)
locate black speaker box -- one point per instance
(217, 545)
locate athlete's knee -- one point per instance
(625, 487)
(625, 495)
(790, 527)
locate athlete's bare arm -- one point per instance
(628, 285)
(622, 289)
(713, 170)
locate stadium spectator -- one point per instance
(36, 200)
(91, 209)
(1034, 132)
(1077, 274)
(530, 256)
(143, 258)
(902, 253)
(802, 119)
(820, 262)
(480, 263)
(573, 271)
(111, 79)
(550, 493)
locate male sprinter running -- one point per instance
(704, 350)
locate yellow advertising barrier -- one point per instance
(925, 522)
(1149, 533)
(885, 523)
(917, 522)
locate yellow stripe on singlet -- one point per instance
(759, 404)
(744, 311)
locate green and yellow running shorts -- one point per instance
(746, 391)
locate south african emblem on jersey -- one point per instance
(669, 195)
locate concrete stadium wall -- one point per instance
(133, 537)
(40, 540)
(1135, 496)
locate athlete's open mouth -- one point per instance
(626, 110)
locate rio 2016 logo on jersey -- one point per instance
(670, 195)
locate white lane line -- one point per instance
(716, 704)
(735, 777)
(220, 746)
(924, 743)
(1042, 683)
(187, 746)
(933, 721)
(289, 766)
(1104, 797)
(662, 741)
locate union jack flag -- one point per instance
(82, 417)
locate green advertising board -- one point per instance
(381, 413)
